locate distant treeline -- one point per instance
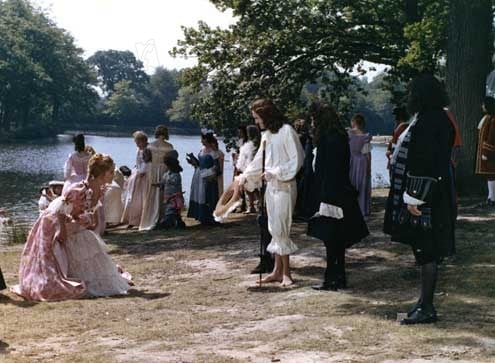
(47, 87)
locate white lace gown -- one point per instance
(113, 205)
(283, 159)
(152, 201)
(86, 253)
(89, 261)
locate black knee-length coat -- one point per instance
(428, 155)
(331, 185)
(2, 281)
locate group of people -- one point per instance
(323, 168)
(422, 205)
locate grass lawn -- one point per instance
(195, 301)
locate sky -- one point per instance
(148, 28)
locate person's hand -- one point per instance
(413, 209)
(268, 176)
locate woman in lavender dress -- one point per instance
(360, 167)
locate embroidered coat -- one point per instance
(485, 154)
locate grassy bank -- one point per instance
(195, 301)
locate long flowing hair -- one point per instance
(426, 93)
(325, 119)
(271, 115)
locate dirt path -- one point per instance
(195, 301)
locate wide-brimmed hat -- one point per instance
(56, 183)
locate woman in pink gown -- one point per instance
(137, 184)
(63, 257)
(76, 165)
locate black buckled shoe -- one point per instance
(420, 316)
(413, 309)
(342, 282)
(326, 286)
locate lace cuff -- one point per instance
(329, 210)
(419, 187)
(60, 205)
(411, 200)
(250, 184)
(366, 149)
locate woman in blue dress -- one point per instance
(204, 185)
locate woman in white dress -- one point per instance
(283, 159)
(76, 165)
(87, 259)
(137, 184)
(246, 155)
(114, 205)
(152, 202)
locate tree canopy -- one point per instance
(43, 76)
(275, 48)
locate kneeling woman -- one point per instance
(337, 218)
(63, 257)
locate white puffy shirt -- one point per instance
(246, 155)
(284, 157)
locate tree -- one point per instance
(181, 108)
(42, 72)
(468, 63)
(125, 105)
(114, 66)
(163, 90)
(275, 48)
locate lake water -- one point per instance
(25, 167)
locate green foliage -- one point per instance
(114, 66)
(43, 77)
(181, 108)
(125, 103)
(277, 47)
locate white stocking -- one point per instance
(491, 190)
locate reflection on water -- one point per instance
(25, 167)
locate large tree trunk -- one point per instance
(468, 64)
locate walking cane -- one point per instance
(262, 204)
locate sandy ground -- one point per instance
(195, 301)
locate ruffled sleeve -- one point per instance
(68, 167)
(288, 169)
(251, 176)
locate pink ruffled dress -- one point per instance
(63, 258)
(75, 169)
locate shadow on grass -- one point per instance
(144, 295)
(4, 299)
(381, 276)
(4, 347)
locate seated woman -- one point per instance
(63, 258)
(246, 155)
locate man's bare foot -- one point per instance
(287, 281)
(272, 278)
